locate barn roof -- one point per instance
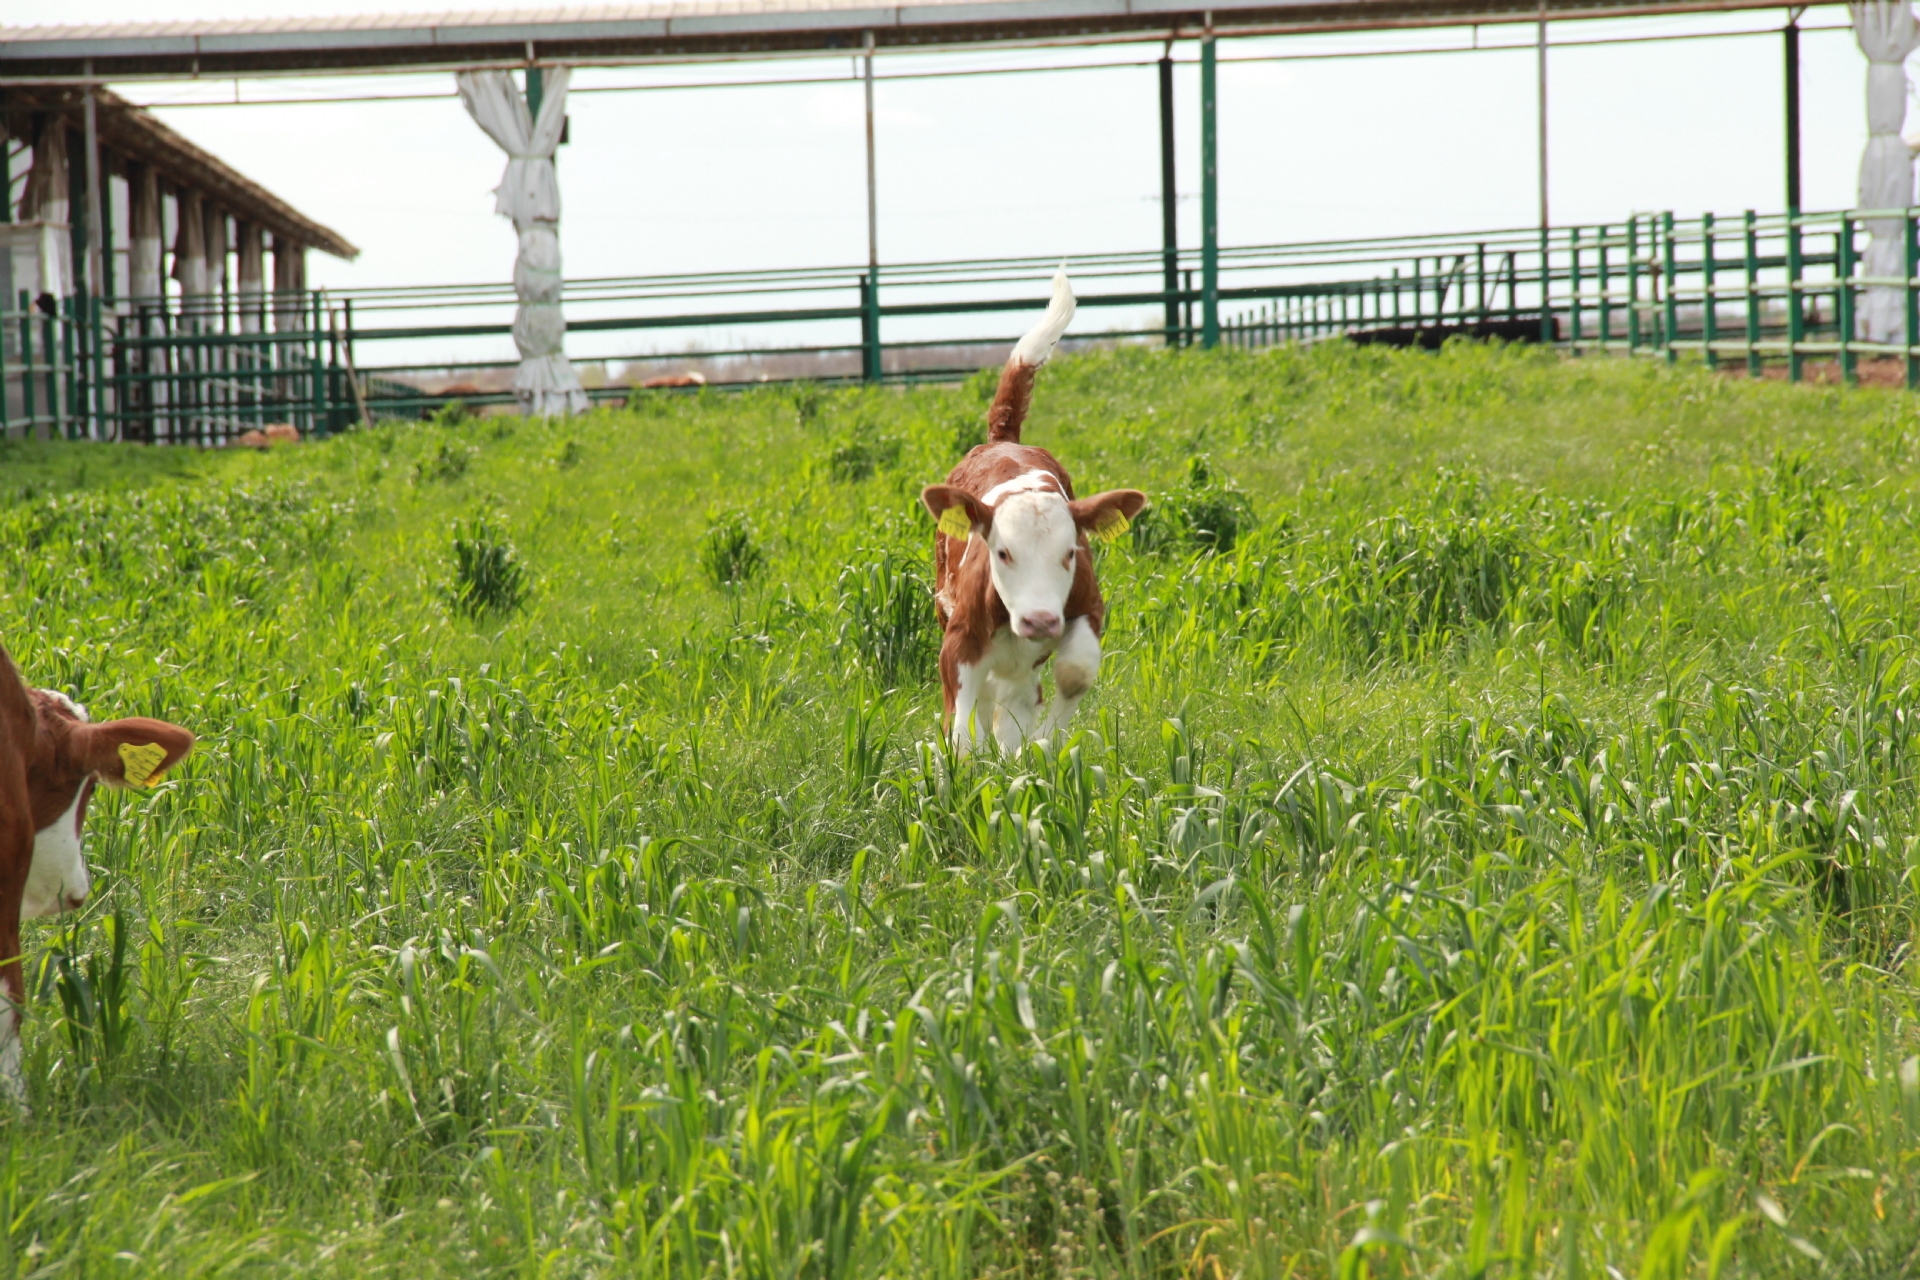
(696, 28)
(129, 132)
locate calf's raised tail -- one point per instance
(1009, 408)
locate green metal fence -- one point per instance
(1749, 292)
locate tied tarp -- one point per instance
(529, 194)
(1886, 34)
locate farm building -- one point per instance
(175, 223)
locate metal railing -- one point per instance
(1752, 291)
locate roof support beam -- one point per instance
(692, 31)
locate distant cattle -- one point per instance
(1013, 571)
(264, 438)
(691, 378)
(51, 756)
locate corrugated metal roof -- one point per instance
(130, 132)
(703, 27)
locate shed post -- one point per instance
(1209, 195)
(1791, 40)
(96, 274)
(870, 303)
(1540, 128)
(1169, 201)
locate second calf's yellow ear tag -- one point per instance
(139, 763)
(1112, 523)
(954, 523)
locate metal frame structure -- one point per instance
(695, 29)
(1745, 293)
(194, 376)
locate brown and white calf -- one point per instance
(1013, 573)
(51, 757)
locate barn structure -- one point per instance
(106, 203)
(490, 54)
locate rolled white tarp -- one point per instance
(143, 226)
(46, 201)
(529, 194)
(1885, 31)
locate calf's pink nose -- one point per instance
(1036, 625)
(75, 901)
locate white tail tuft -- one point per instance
(1037, 346)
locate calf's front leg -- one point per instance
(16, 857)
(1076, 664)
(969, 704)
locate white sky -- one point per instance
(1039, 164)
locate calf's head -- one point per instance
(1031, 539)
(69, 756)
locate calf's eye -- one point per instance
(1004, 557)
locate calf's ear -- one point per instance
(133, 752)
(1105, 515)
(958, 512)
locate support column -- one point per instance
(870, 359)
(252, 283)
(1791, 40)
(1540, 129)
(1169, 201)
(1209, 196)
(96, 274)
(143, 230)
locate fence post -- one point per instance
(1796, 320)
(1671, 323)
(1546, 288)
(1633, 284)
(1710, 320)
(870, 326)
(71, 387)
(1753, 296)
(5, 426)
(1605, 283)
(26, 364)
(1912, 234)
(322, 417)
(1573, 289)
(1848, 372)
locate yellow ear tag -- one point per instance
(954, 523)
(1112, 523)
(139, 763)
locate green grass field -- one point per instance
(1491, 850)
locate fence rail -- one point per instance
(1752, 291)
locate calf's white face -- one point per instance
(1033, 543)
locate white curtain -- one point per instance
(45, 201)
(530, 195)
(1886, 34)
(143, 222)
